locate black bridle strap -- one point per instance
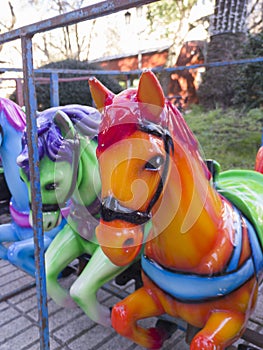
(111, 210)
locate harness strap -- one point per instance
(234, 261)
(86, 218)
(20, 218)
(196, 288)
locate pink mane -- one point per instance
(120, 119)
(14, 113)
(123, 115)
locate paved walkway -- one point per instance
(70, 329)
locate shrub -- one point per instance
(70, 92)
(249, 85)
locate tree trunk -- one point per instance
(226, 43)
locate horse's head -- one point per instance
(59, 152)
(134, 148)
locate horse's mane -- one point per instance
(51, 143)
(126, 116)
(179, 128)
(14, 113)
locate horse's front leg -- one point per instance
(97, 272)
(220, 331)
(7, 234)
(139, 305)
(65, 247)
(22, 253)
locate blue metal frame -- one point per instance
(25, 34)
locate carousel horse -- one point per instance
(259, 159)
(202, 260)
(18, 234)
(69, 171)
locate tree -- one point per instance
(8, 25)
(228, 33)
(71, 42)
(249, 86)
(170, 18)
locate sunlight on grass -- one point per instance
(230, 137)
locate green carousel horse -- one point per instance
(69, 171)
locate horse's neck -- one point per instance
(9, 150)
(193, 223)
(88, 179)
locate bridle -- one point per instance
(111, 209)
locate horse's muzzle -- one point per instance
(112, 210)
(120, 241)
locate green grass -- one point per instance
(230, 137)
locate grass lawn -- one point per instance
(230, 137)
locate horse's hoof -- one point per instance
(158, 336)
(200, 342)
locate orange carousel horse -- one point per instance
(203, 258)
(259, 160)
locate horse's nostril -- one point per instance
(128, 243)
(49, 225)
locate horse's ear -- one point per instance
(65, 125)
(100, 94)
(151, 92)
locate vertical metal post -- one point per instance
(19, 92)
(30, 103)
(54, 90)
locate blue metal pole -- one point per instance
(30, 103)
(54, 90)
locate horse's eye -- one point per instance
(154, 163)
(51, 186)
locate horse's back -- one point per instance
(244, 188)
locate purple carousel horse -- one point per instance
(19, 231)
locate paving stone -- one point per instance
(92, 339)
(53, 346)
(73, 328)
(16, 274)
(33, 314)
(22, 296)
(7, 269)
(7, 315)
(20, 341)
(117, 342)
(3, 305)
(63, 317)
(27, 304)
(16, 284)
(102, 295)
(9, 329)
(53, 307)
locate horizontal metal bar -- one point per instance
(137, 71)
(100, 9)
